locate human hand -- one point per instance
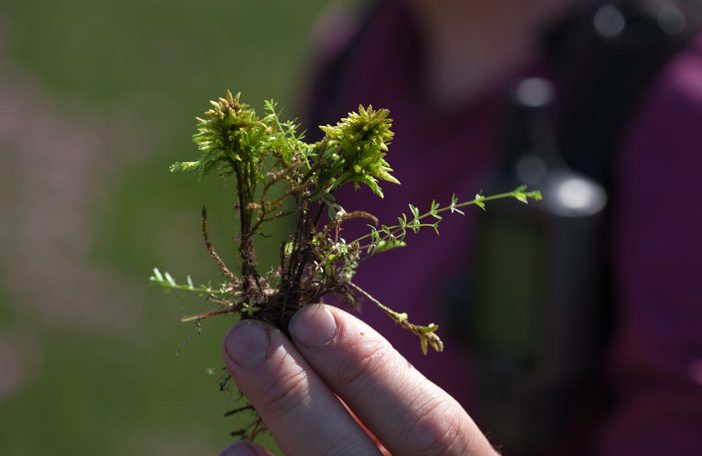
(297, 386)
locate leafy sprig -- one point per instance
(393, 236)
(165, 280)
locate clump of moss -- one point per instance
(260, 152)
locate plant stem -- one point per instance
(427, 334)
(478, 200)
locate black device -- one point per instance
(538, 305)
(535, 315)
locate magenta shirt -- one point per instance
(655, 363)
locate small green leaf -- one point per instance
(288, 248)
(433, 210)
(423, 344)
(184, 166)
(169, 279)
(332, 212)
(520, 196)
(480, 201)
(402, 221)
(389, 244)
(454, 203)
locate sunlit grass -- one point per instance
(152, 63)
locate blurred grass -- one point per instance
(156, 63)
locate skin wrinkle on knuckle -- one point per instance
(356, 372)
(288, 390)
(437, 429)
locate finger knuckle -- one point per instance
(285, 394)
(438, 429)
(372, 358)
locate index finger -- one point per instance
(408, 413)
(303, 415)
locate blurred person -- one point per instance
(624, 86)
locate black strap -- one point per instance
(608, 56)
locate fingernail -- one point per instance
(243, 449)
(313, 326)
(247, 343)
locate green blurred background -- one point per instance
(97, 98)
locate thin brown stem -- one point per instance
(226, 272)
(205, 315)
(245, 408)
